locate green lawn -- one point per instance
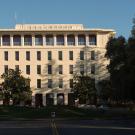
(11, 112)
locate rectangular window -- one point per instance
(28, 82)
(60, 69)
(49, 69)
(28, 69)
(28, 55)
(38, 55)
(92, 55)
(93, 69)
(38, 69)
(6, 55)
(49, 83)
(38, 83)
(60, 55)
(17, 55)
(5, 68)
(49, 55)
(82, 69)
(70, 55)
(71, 83)
(17, 67)
(92, 40)
(60, 83)
(70, 69)
(81, 55)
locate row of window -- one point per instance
(60, 55)
(49, 40)
(50, 83)
(50, 69)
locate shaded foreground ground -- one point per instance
(11, 113)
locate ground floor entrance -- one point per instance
(54, 99)
(38, 100)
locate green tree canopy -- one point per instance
(84, 89)
(15, 86)
(121, 54)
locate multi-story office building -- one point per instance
(50, 55)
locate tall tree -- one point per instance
(122, 67)
(105, 92)
(15, 87)
(84, 89)
(116, 53)
(133, 29)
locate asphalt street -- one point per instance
(68, 127)
(37, 127)
(94, 127)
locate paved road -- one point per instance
(40, 127)
(68, 127)
(25, 131)
(96, 127)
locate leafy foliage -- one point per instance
(122, 67)
(84, 89)
(15, 87)
(105, 89)
(133, 29)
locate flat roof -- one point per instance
(55, 27)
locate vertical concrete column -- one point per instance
(87, 40)
(1, 40)
(55, 98)
(11, 40)
(22, 40)
(44, 40)
(65, 39)
(33, 100)
(54, 36)
(76, 40)
(99, 39)
(66, 98)
(33, 40)
(44, 99)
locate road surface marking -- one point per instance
(54, 128)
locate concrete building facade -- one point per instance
(50, 55)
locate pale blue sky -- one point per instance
(115, 14)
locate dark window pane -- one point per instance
(17, 55)
(6, 55)
(6, 68)
(38, 55)
(70, 69)
(81, 55)
(60, 55)
(71, 83)
(28, 69)
(92, 55)
(49, 55)
(70, 55)
(60, 69)
(38, 69)
(17, 40)
(38, 40)
(49, 69)
(38, 83)
(28, 55)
